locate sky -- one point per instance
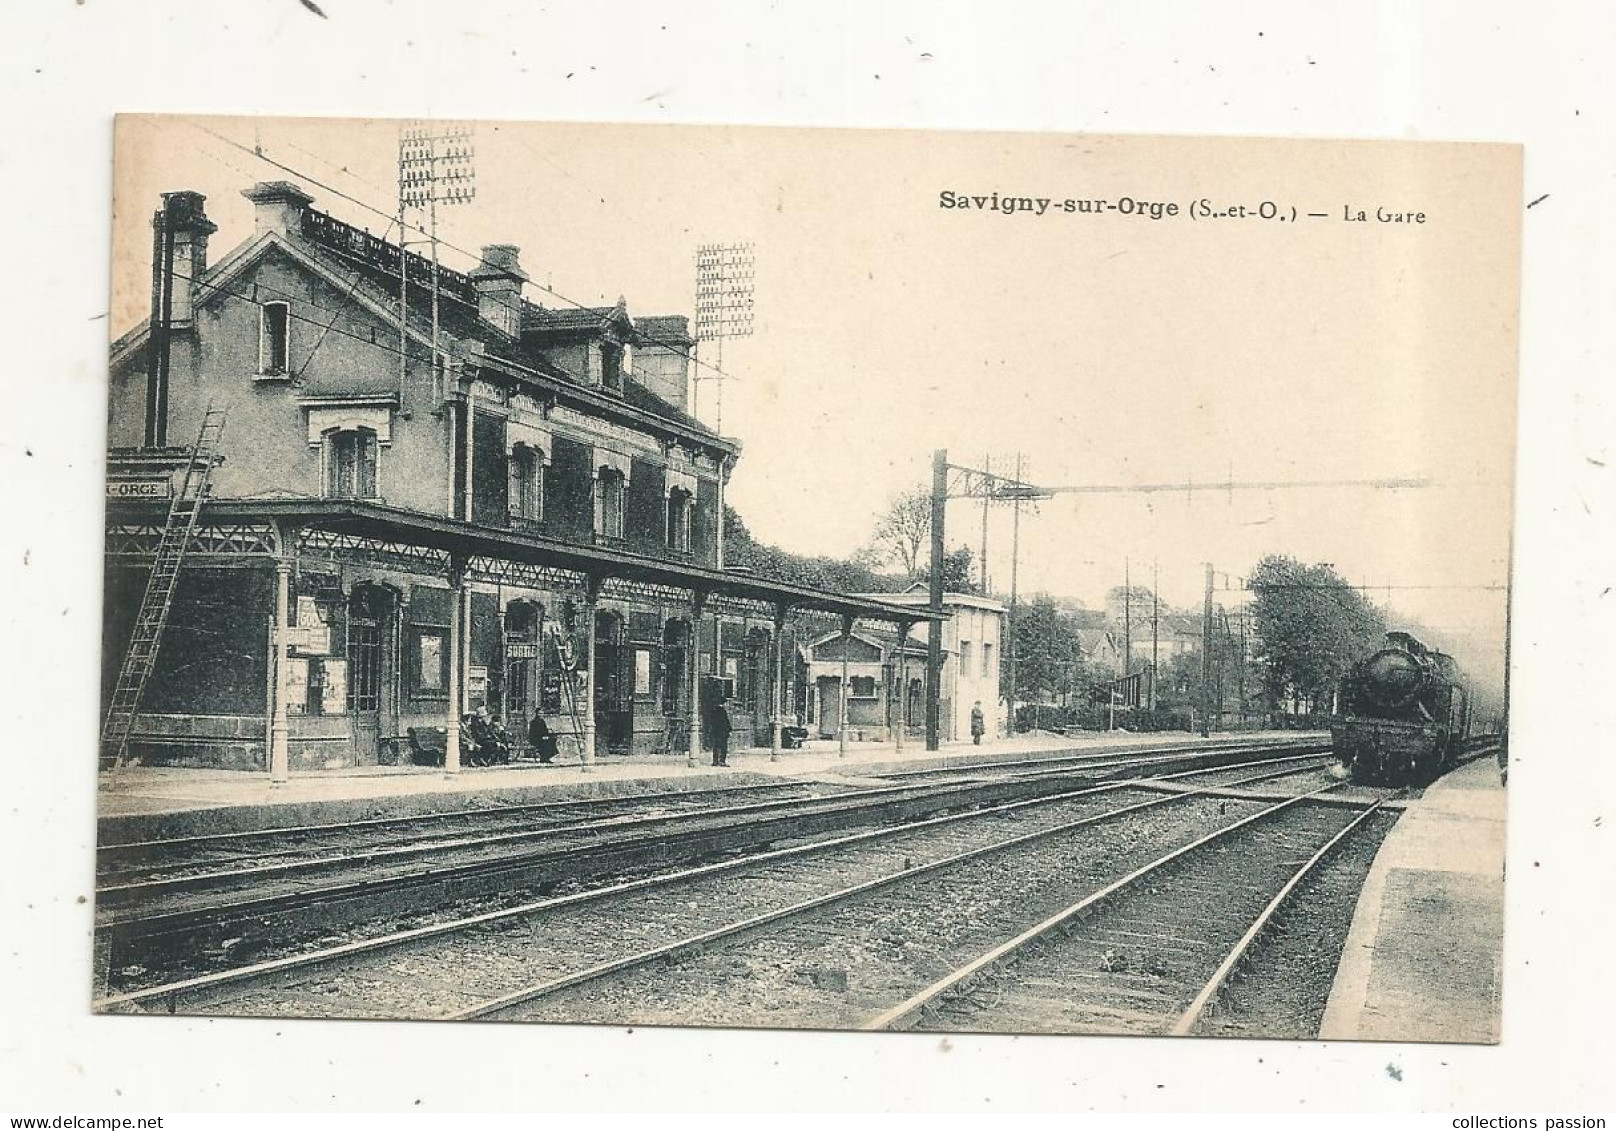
(1107, 349)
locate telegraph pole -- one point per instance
(435, 166)
(162, 317)
(1127, 616)
(1240, 674)
(970, 483)
(982, 561)
(724, 293)
(1155, 618)
(1206, 658)
(934, 631)
(1015, 562)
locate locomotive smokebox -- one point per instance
(1393, 678)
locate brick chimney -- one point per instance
(278, 206)
(662, 350)
(184, 216)
(498, 280)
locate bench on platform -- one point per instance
(428, 745)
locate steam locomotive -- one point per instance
(1402, 715)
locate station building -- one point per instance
(421, 508)
(881, 702)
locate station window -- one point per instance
(350, 464)
(987, 661)
(274, 338)
(609, 488)
(965, 657)
(679, 507)
(861, 687)
(527, 484)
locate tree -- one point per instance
(838, 574)
(1311, 628)
(1049, 653)
(902, 542)
(958, 575)
(1121, 599)
(903, 532)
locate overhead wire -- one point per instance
(301, 302)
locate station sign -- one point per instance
(159, 488)
(521, 651)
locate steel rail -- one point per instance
(425, 818)
(1140, 752)
(852, 799)
(733, 930)
(173, 990)
(471, 840)
(148, 923)
(910, 1011)
(580, 802)
(1237, 954)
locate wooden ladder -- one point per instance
(141, 657)
(569, 686)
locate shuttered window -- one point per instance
(680, 505)
(527, 484)
(350, 464)
(275, 331)
(609, 489)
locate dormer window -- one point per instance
(350, 464)
(274, 339)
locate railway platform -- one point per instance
(1423, 959)
(179, 802)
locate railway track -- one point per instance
(143, 914)
(1037, 762)
(138, 868)
(485, 963)
(136, 871)
(1149, 953)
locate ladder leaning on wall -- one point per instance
(569, 685)
(147, 637)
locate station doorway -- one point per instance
(372, 660)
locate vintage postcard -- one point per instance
(866, 580)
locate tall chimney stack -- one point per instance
(185, 222)
(498, 280)
(180, 231)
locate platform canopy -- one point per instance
(395, 525)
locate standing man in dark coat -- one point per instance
(718, 733)
(978, 723)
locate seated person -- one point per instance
(540, 738)
(487, 737)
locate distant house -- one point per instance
(1102, 651)
(1171, 635)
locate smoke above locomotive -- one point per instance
(1402, 715)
